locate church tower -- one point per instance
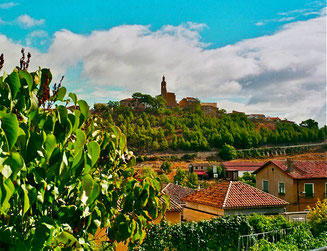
(163, 87)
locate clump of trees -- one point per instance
(64, 175)
(187, 179)
(161, 129)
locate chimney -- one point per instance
(290, 165)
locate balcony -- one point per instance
(309, 195)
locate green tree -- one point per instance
(248, 178)
(166, 167)
(61, 175)
(227, 152)
(181, 177)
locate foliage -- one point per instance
(62, 176)
(181, 177)
(227, 152)
(161, 129)
(223, 233)
(192, 180)
(166, 167)
(248, 178)
(215, 234)
(318, 217)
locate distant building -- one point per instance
(237, 112)
(301, 183)
(133, 104)
(188, 102)
(170, 97)
(234, 170)
(209, 108)
(230, 198)
(273, 119)
(256, 117)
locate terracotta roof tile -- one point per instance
(234, 194)
(303, 169)
(176, 192)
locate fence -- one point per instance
(245, 242)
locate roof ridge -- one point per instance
(227, 193)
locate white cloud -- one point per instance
(37, 37)
(27, 21)
(259, 23)
(7, 5)
(282, 74)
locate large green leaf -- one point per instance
(16, 163)
(87, 187)
(84, 108)
(61, 93)
(26, 200)
(80, 141)
(27, 77)
(93, 149)
(73, 97)
(50, 145)
(14, 84)
(63, 114)
(9, 125)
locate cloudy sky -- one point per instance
(253, 56)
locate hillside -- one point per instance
(162, 130)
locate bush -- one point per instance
(318, 217)
(166, 167)
(227, 152)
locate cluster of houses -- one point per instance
(281, 186)
(171, 102)
(261, 118)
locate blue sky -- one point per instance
(224, 51)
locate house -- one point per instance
(230, 198)
(301, 183)
(173, 213)
(188, 102)
(170, 97)
(233, 170)
(176, 194)
(201, 168)
(209, 108)
(256, 117)
(133, 104)
(273, 119)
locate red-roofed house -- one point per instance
(230, 198)
(235, 169)
(301, 183)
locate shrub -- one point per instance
(227, 152)
(166, 167)
(318, 217)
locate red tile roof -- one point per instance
(242, 166)
(234, 194)
(176, 192)
(303, 169)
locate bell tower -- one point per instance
(163, 87)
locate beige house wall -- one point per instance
(274, 175)
(293, 188)
(196, 212)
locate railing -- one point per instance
(309, 195)
(245, 242)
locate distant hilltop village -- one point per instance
(170, 97)
(191, 102)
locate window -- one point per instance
(325, 190)
(308, 190)
(281, 188)
(265, 186)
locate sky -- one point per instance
(253, 56)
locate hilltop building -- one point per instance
(209, 108)
(188, 102)
(170, 97)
